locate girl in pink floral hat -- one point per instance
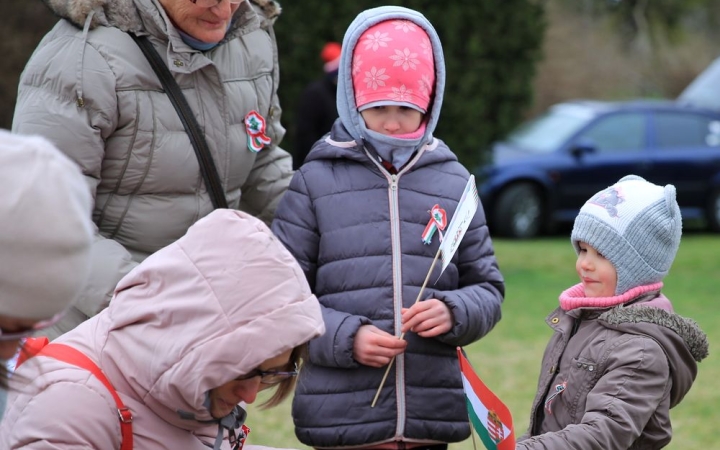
(354, 217)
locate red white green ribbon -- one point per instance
(437, 222)
(559, 389)
(255, 128)
(237, 442)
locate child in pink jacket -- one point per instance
(195, 330)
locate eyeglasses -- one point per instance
(211, 3)
(270, 377)
(39, 326)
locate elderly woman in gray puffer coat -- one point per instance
(90, 90)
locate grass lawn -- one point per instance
(508, 358)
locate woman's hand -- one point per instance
(428, 318)
(376, 348)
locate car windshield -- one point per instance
(545, 133)
(703, 91)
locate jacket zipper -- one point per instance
(397, 300)
(393, 203)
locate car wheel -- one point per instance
(518, 212)
(713, 211)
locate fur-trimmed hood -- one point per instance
(122, 14)
(687, 329)
(125, 14)
(681, 338)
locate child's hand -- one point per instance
(376, 348)
(428, 318)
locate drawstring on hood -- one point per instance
(79, 73)
(231, 422)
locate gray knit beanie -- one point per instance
(636, 225)
(45, 228)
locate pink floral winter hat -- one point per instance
(393, 65)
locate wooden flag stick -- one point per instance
(472, 434)
(402, 336)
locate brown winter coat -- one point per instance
(618, 371)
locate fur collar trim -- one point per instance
(687, 329)
(123, 14)
(574, 297)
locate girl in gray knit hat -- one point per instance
(620, 358)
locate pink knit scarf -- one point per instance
(574, 297)
(417, 134)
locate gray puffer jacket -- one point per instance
(610, 376)
(356, 231)
(89, 89)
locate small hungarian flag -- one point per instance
(489, 416)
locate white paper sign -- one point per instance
(460, 222)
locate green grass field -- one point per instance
(508, 358)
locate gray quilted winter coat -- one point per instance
(356, 230)
(89, 89)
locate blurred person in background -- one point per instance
(90, 90)
(45, 237)
(317, 108)
(197, 329)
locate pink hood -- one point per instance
(198, 313)
(211, 307)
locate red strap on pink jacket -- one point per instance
(41, 346)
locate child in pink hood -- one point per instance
(194, 331)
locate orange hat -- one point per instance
(331, 55)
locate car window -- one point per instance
(616, 133)
(549, 131)
(703, 91)
(674, 130)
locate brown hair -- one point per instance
(285, 388)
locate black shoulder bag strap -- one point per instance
(197, 138)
